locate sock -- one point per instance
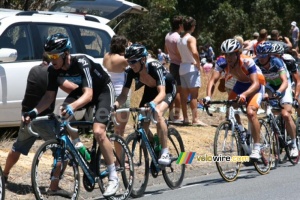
(256, 146)
(164, 151)
(112, 172)
(294, 142)
(75, 141)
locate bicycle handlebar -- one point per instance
(49, 117)
(226, 102)
(142, 109)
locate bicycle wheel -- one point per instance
(174, 173)
(2, 185)
(141, 163)
(226, 144)
(263, 165)
(124, 168)
(50, 154)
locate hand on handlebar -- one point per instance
(241, 98)
(277, 94)
(152, 106)
(67, 110)
(28, 116)
(206, 100)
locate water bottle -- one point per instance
(157, 146)
(83, 151)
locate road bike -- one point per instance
(282, 143)
(2, 185)
(59, 156)
(139, 145)
(230, 142)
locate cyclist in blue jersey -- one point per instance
(94, 86)
(279, 84)
(159, 90)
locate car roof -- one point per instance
(109, 9)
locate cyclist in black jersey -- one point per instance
(94, 87)
(159, 91)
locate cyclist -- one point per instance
(94, 86)
(279, 83)
(159, 91)
(249, 86)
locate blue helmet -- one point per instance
(264, 48)
(136, 51)
(57, 43)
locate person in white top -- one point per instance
(189, 71)
(115, 63)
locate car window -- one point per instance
(96, 41)
(46, 30)
(17, 37)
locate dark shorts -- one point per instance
(102, 100)
(174, 70)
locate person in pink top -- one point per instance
(171, 48)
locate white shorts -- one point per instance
(190, 80)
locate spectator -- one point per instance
(263, 35)
(161, 56)
(171, 48)
(252, 43)
(209, 52)
(189, 70)
(295, 35)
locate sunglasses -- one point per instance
(132, 62)
(54, 56)
(262, 55)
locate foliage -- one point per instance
(217, 20)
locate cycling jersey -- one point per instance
(246, 63)
(162, 77)
(277, 67)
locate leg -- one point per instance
(11, 160)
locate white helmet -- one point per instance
(230, 45)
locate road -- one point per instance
(277, 185)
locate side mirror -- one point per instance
(8, 55)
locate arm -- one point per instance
(46, 101)
(68, 86)
(284, 83)
(161, 94)
(85, 98)
(192, 45)
(212, 81)
(288, 42)
(254, 86)
(122, 97)
(296, 78)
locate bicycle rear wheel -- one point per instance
(51, 154)
(226, 144)
(263, 165)
(174, 173)
(2, 185)
(124, 168)
(141, 163)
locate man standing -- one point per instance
(171, 48)
(295, 35)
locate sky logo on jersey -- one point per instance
(83, 61)
(185, 158)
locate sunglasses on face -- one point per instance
(54, 56)
(262, 55)
(132, 62)
(230, 54)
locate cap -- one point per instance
(255, 34)
(293, 23)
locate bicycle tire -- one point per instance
(263, 165)
(2, 185)
(141, 164)
(175, 145)
(233, 149)
(42, 166)
(125, 169)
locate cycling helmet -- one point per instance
(264, 48)
(230, 46)
(277, 49)
(136, 51)
(57, 43)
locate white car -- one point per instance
(22, 35)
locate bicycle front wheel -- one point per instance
(51, 163)
(174, 173)
(263, 165)
(124, 168)
(141, 163)
(2, 185)
(226, 145)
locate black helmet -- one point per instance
(57, 43)
(136, 51)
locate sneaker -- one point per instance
(255, 154)
(164, 159)
(111, 188)
(59, 192)
(294, 152)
